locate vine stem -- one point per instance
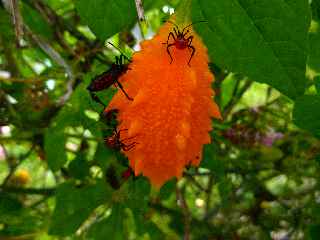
(140, 10)
(17, 20)
(185, 211)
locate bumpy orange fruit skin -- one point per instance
(170, 117)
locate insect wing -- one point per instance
(102, 81)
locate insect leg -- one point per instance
(124, 56)
(124, 92)
(185, 33)
(192, 48)
(190, 40)
(118, 60)
(172, 35)
(128, 147)
(97, 99)
(126, 139)
(170, 45)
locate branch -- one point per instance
(185, 211)
(194, 222)
(17, 19)
(56, 57)
(15, 166)
(31, 191)
(194, 181)
(237, 94)
(209, 191)
(140, 10)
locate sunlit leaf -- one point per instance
(253, 38)
(314, 51)
(54, 146)
(112, 226)
(106, 17)
(306, 113)
(74, 205)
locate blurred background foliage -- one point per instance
(259, 179)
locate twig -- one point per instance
(194, 222)
(15, 166)
(209, 191)
(17, 20)
(194, 181)
(140, 10)
(55, 56)
(11, 64)
(52, 53)
(185, 211)
(11, 108)
(237, 94)
(31, 191)
(37, 79)
(42, 200)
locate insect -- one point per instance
(116, 143)
(127, 173)
(110, 77)
(114, 180)
(181, 41)
(110, 117)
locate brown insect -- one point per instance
(180, 40)
(110, 77)
(117, 144)
(110, 117)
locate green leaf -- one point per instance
(225, 190)
(79, 167)
(15, 220)
(210, 160)
(138, 194)
(154, 232)
(103, 156)
(110, 227)
(254, 38)
(315, 209)
(167, 189)
(314, 51)
(6, 28)
(317, 158)
(74, 205)
(106, 17)
(9, 204)
(54, 146)
(317, 83)
(35, 21)
(306, 113)
(227, 87)
(315, 6)
(138, 198)
(314, 232)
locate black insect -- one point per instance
(180, 40)
(110, 77)
(117, 144)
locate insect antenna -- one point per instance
(119, 51)
(193, 24)
(173, 24)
